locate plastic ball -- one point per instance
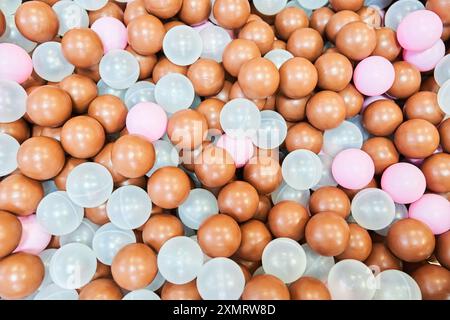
(104, 89)
(374, 76)
(13, 35)
(351, 280)
(358, 121)
(425, 60)
(327, 176)
(10, 7)
(46, 257)
(15, 63)
(129, 207)
(302, 169)
(89, 185)
(147, 119)
(353, 169)
(174, 92)
(55, 292)
(13, 99)
(346, 136)
(156, 283)
(70, 15)
(83, 234)
(401, 212)
(396, 285)
(240, 149)
(433, 210)
(92, 5)
(444, 97)
(199, 205)
(108, 240)
(58, 215)
(278, 56)
(285, 259)
(272, 130)
(286, 192)
(141, 294)
(142, 91)
(8, 154)
(50, 63)
(165, 156)
(180, 259)
(119, 69)
(442, 70)
(373, 209)
(240, 117)
(312, 4)
(317, 266)
(269, 7)
(182, 45)
(214, 40)
(399, 10)
(220, 279)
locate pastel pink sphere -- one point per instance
(353, 169)
(34, 237)
(433, 210)
(419, 30)
(15, 63)
(148, 120)
(240, 149)
(428, 59)
(404, 182)
(374, 76)
(112, 32)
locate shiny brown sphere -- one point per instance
(306, 43)
(387, 45)
(423, 105)
(410, 240)
(353, 5)
(255, 237)
(308, 288)
(339, 20)
(326, 110)
(371, 16)
(82, 47)
(264, 207)
(231, 14)
(359, 245)
(289, 20)
(236, 92)
(219, 236)
(101, 289)
(187, 129)
(320, 18)
(82, 90)
(327, 233)
(442, 249)
(97, 215)
(214, 167)
(263, 173)
(187, 291)
(104, 157)
(433, 281)
(304, 136)
(110, 111)
(110, 9)
(210, 108)
(291, 109)
(146, 63)
(416, 138)
(134, 266)
(436, 169)
(10, 233)
(353, 100)
(237, 52)
(41, 158)
(330, 199)
(298, 78)
(356, 40)
(259, 32)
(195, 11)
(224, 93)
(164, 66)
(146, 34)
(238, 199)
(287, 219)
(382, 117)
(49, 106)
(380, 259)
(2, 23)
(444, 132)
(18, 129)
(382, 151)
(160, 228)
(407, 80)
(54, 133)
(168, 187)
(37, 21)
(259, 78)
(440, 7)
(265, 287)
(334, 71)
(207, 76)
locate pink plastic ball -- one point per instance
(15, 63)
(404, 182)
(34, 238)
(374, 76)
(353, 169)
(241, 149)
(372, 99)
(112, 32)
(433, 210)
(428, 59)
(148, 120)
(419, 30)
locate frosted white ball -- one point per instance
(10, 7)
(269, 7)
(214, 40)
(442, 70)
(156, 283)
(174, 92)
(443, 97)
(13, 101)
(83, 234)
(317, 266)
(142, 91)
(182, 45)
(396, 285)
(240, 117)
(92, 5)
(104, 89)
(357, 120)
(327, 178)
(8, 154)
(400, 9)
(373, 209)
(199, 205)
(286, 192)
(46, 257)
(55, 292)
(141, 294)
(165, 156)
(13, 35)
(401, 212)
(278, 56)
(312, 4)
(50, 63)
(302, 169)
(347, 135)
(119, 69)
(272, 130)
(70, 15)
(108, 240)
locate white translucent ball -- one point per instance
(240, 117)
(379, 3)
(70, 15)
(302, 169)
(400, 9)
(346, 136)
(50, 63)
(286, 192)
(58, 215)
(119, 69)
(396, 285)
(174, 92)
(357, 120)
(73, 266)
(373, 209)
(13, 101)
(129, 207)
(55, 292)
(92, 5)
(220, 279)
(199, 205)
(8, 154)
(13, 35)
(351, 280)
(317, 266)
(442, 70)
(327, 178)
(278, 56)
(83, 234)
(182, 45)
(89, 185)
(285, 259)
(142, 91)
(108, 240)
(156, 283)
(269, 7)
(104, 89)
(141, 294)
(312, 4)
(214, 40)
(443, 97)
(272, 130)
(296, 3)
(10, 7)
(401, 212)
(165, 156)
(180, 259)
(46, 257)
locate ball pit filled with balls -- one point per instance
(224, 150)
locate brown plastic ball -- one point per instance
(353, 5)
(424, 105)
(194, 12)
(223, 95)
(356, 40)
(306, 43)
(210, 108)
(82, 90)
(214, 167)
(339, 20)
(287, 219)
(433, 281)
(10, 233)
(186, 291)
(440, 7)
(265, 287)
(207, 77)
(163, 9)
(2, 23)
(444, 132)
(334, 71)
(308, 288)
(407, 80)
(110, 111)
(387, 45)
(371, 15)
(304, 136)
(104, 157)
(82, 47)
(382, 117)
(110, 9)
(255, 237)
(326, 110)
(97, 215)
(442, 251)
(164, 66)
(18, 129)
(382, 151)
(436, 169)
(239, 200)
(54, 133)
(231, 14)
(263, 173)
(237, 92)
(160, 228)
(298, 78)
(146, 34)
(259, 32)
(291, 109)
(264, 207)
(330, 199)
(101, 289)
(416, 138)
(380, 259)
(37, 21)
(320, 18)
(168, 187)
(20, 195)
(359, 245)
(146, 63)
(290, 19)
(92, 73)
(259, 78)
(187, 129)
(353, 100)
